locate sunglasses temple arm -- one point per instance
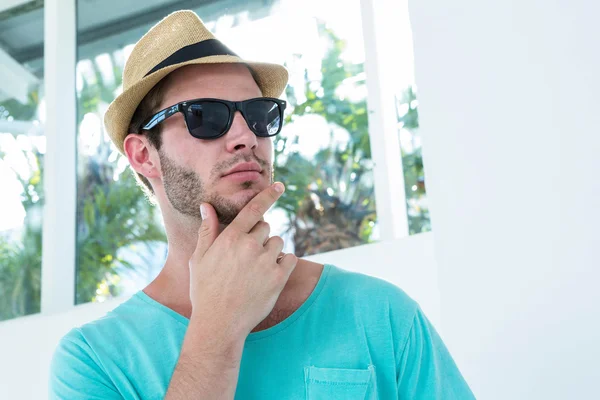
(161, 116)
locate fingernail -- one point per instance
(278, 187)
(203, 211)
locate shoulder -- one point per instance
(78, 366)
(80, 337)
(126, 319)
(369, 288)
(124, 316)
(76, 371)
(374, 295)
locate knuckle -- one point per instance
(264, 225)
(229, 237)
(194, 259)
(251, 245)
(204, 232)
(290, 260)
(277, 240)
(255, 210)
(273, 194)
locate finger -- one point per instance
(274, 245)
(288, 263)
(256, 208)
(260, 232)
(209, 230)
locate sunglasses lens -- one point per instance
(207, 119)
(264, 117)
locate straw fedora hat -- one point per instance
(178, 40)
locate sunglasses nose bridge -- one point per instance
(237, 106)
(234, 107)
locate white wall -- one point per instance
(509, 96)
(27, 343)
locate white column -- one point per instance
(58, 248)
(381, 67)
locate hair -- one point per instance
(148, 106)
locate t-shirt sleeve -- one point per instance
(426, 368)
(75, 373)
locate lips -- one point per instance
(249, 166)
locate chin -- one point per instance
(246, 191)
(242, 190)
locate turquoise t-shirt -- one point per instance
(355, 337)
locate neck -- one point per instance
(172, 284)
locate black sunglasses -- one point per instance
(212, 118)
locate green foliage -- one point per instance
(21, 259)
(113, 217)
(418, 216)
(13, 109)
(317, 183)
(412, 163)
(334, 189)
(96, 91)
(410, 119)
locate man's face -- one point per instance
(193, 169)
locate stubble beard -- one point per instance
(186, 190)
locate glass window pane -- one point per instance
(22, 147)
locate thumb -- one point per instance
(209, 230)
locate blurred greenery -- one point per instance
(21, 260)
(112, 213)
(329, 199)
(13, 109)
(412, 164)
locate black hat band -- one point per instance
(205, 48)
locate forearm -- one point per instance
(208, 365)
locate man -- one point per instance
(230, 315)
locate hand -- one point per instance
(235, 276)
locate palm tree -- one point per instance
(330, 204)
(330, 199)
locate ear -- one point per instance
(141, 155)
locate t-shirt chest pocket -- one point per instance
(340, 383)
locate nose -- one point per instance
(240, 136)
